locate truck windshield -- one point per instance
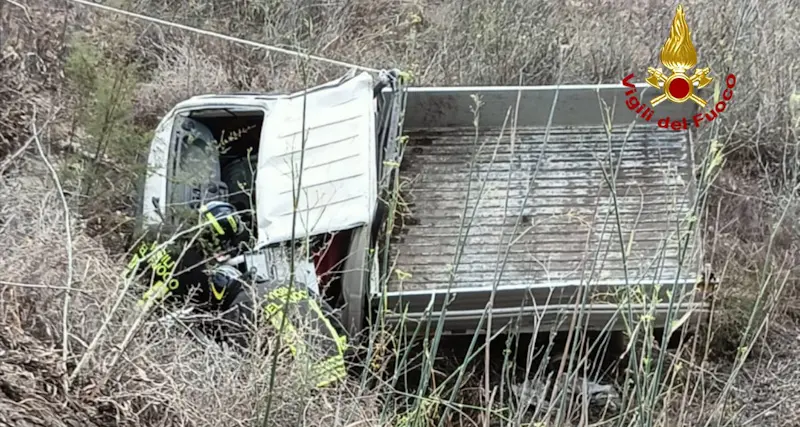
(217, 154)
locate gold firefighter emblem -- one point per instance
(679, 56)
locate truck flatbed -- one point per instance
(528, 212)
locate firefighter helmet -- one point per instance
(222, 217)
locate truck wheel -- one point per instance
(360, 270)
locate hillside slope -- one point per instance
(93, 84)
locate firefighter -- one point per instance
(196, 272)
(182, 268)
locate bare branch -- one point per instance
(68, 243)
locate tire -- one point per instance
(356, 280)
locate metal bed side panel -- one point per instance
(586, 207)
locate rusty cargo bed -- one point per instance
(526, 212)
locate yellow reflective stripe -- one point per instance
(334, 363)
(232, 222)
(214, 223)
(129, 268)
(332, 379)
(276, 318)
(217, 294)
(329, 371)
(341, 341)
(157, 291)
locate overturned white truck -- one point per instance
(542, 208)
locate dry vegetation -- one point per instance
(92, 84)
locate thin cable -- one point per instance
(223, 36)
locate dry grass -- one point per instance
(165, 379)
